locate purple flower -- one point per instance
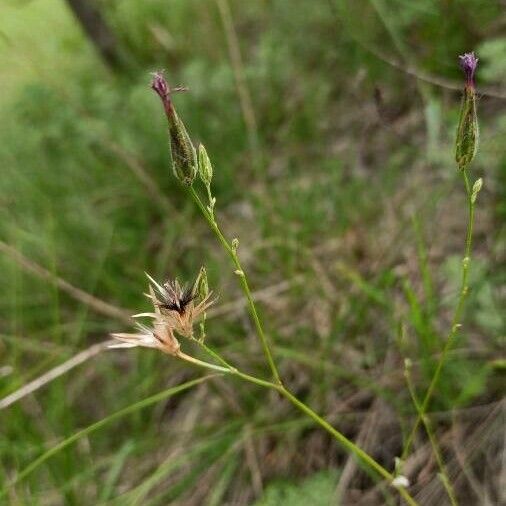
(468, 63)
(159, 84)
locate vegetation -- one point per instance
(331, 128)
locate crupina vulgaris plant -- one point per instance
(466, 147)
(177, 309)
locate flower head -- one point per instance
(160, 85)
(468, 63)
(184, 156)
(468, 129)
(175, 312)
(178, 305)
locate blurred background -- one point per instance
(331, 126)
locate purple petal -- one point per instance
(468, 63)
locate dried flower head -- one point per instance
(178, 305)
(160, 336)
(176, 309)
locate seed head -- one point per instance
(176, 309)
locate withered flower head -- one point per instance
(178, 305)
(160, 336)
(176, 309)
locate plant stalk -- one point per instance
(277, 384)
(464, 289)
(244, 283)
(341, 438)
(432, 438)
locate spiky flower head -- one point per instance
(184, 156)
(176, 310)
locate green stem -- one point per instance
(464, 289)
(341, 438)
(207, 365)
(244, 283)
(432, 437)
(215, 355)
(277, 385)
(344, 441)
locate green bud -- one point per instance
(205, 166)
(476, 189)
(184, 158)
(201, 286)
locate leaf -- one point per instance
(317, 490)
(97, 425)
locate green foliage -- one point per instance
(317, 490)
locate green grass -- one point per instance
(356, 208)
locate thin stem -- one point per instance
(98, 425)
(278, 386)
(207, 365)
(256, 319)
(210, 209)
(257, 381)
(215, 355)
(432, 437)
(244, 283)
(464, 289)
(347, 443)
(228, 369)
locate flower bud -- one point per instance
(205, 166)
(184, 157)
(476, 189)
(201, 287)
(468, 63)
(467, 131)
